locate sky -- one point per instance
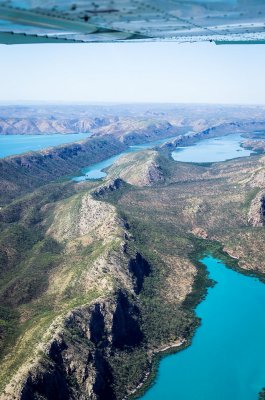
(161, 72)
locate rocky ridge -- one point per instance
(75, 358)
(111, 322)
(139, 169)
(75, 353)
(256, 214)
(38, 126)
(19, 174)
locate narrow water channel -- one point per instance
(207, 150)
(226, 360)
(96, 171)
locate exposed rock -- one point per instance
(200, 233)
(258, 180)
(140, 268)
(256, 214)
(139, 169)
(233, 253)
(132, 131)
(76, 364)
(111, 186)
(153, 175)
(72, 359)
(49, 384)
(126, 330)
(180, 279)
(85, 217)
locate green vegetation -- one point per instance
(215, 197)
(51, 239)
(21, 174)
(28, 259)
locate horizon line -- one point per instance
(119, 103)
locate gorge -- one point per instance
(100, 276)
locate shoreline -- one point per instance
(159, 351)
(183, 343)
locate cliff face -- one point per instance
(78, 267)
(139, 169)
(85, 327)
(77, 361)
(140, 268)
(77, 366)
(256, 214)
(89, 295)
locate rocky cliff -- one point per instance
(78, 307)
(139, 169)
(256, 214)
(77, 361)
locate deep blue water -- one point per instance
(210, 150)
(95, 171)
(17, 144)
(226, 360)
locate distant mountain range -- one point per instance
(121, 120)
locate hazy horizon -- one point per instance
(109, 103)
(129, 73)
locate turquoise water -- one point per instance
(207, 150)
(212, 150)
(17, 144)
(95, 171)
(226, 360)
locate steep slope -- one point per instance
(74, 280)
(89, 238)
(96, 279)
(222, 202)
(20, 174)
(140, 169)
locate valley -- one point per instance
(98, 277)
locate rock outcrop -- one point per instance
(199, 232)
(140, 268)
(109, 187)
(72, 360)
(139, 169)
(76, 363)
(256, 214)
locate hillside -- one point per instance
(49, 125)
(20, 174)
(74, 285)
(97, 278)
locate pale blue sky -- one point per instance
(133, 72)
